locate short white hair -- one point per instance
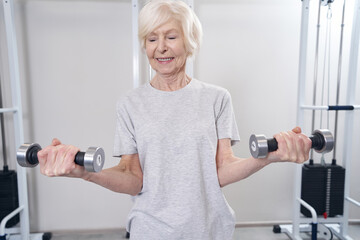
(157, 12)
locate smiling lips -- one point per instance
(164, 60)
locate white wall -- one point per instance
(76, 61)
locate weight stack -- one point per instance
(323, 188)
(8, 196)
(335, 197)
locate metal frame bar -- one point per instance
(308, 107)
(6, 110)
(7, 218)
(136, 47)
(339, 78)
(311, 209)
(190, 61)
(300, 114)
(353, 201)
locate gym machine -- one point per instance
(23, 230)
(330, 218)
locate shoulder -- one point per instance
(209, 87)
(211, 90)
(132, 96)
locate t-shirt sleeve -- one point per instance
(125, 141)
(225, 120)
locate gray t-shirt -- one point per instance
(176, 135)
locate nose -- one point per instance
(162, 48)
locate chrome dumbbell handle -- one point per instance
(93, 159)
(322, 141)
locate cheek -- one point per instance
(181, 51)
(149, 50)
(148, 53)
(182, 57)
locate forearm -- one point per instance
(237, 169)
(117, 179)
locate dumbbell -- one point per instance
(93, 159)
(322, 141)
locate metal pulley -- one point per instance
(326, 2)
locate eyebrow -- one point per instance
(168, 31)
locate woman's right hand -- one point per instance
(59, 160)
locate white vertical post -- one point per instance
(349, 117)
(136, 47)
(300, 112)
(190, 61)
(150, 73)
(18, 123)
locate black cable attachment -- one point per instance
(341, 108)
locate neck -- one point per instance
(171, 82)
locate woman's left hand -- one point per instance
(293, 146)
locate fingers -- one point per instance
(65, 161)
(57, 159)
(286, 146)
(293, 146)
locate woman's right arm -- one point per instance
(58, 160)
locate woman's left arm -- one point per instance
(293, 146)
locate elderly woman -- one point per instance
(174, 136)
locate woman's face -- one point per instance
(165, 49)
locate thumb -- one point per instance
(55, 142)
(297, 130)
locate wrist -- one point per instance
(263, 162)
(87, 176)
